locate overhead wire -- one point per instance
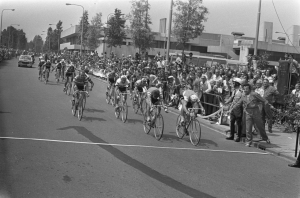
(283, 27)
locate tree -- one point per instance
(115, 32)
(188, 20)
(139, 26)
(260, 60)
(86, 24)
(93, 33)
(49, 39)
(92, 38)
(37, 43)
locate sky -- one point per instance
(225, 16)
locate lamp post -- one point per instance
(12, 37)
(81, 24)
(1, 22)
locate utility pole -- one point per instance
(169, 34)
(257, 28)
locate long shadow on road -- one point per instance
(138, 165)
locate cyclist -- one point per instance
(70, 72)
(154, 97)
(41, 63)
(111, 76)
(79, 82)
(139, 89)
(190, 100)
(121, 86)
(58, 68)
(47, 66)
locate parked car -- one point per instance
(25, 60)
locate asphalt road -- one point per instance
(38, 167)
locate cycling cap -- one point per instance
(194, 97)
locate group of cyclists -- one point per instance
(124, 75)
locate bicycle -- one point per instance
(192, 128)
(68, 88)
(40, 74)
(137, 102)
(57, 75)
(157, 122)
(123, 108)
(110, 97)
(46, 77)
(79, 104)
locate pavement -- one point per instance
(47, 152)
(282, 144)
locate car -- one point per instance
(25, 60)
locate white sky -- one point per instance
(225, 16)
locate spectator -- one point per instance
(270, 94)
(235, 114)
(250, 101)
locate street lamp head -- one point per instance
(68, 4)
(12, 9)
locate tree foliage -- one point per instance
(93, 33)
(86, 24)
(13, 38)
(139, 26)
(115, 31)
(261, 60)
(188, 20)
(36, 44)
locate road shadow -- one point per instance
(94, 110)
(208, 143)
(4, 112)
(134, 121)
(181, 187)
(170, 138)
(91, 119)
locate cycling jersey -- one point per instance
(82, 79)
(187, 95)
(48, 65)
(121, 84)
(58, 66)
(71, 69)
(41, 63)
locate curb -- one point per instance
(217, 129)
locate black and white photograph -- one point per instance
(150, 99)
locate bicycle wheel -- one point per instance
(124, 111)
(73, 109)
(117, 111)
(83, 101)
(68, 91)
(80, 111)
(107, 98)
(159, 127)
(135, 106)
(179, 128)
(146, 125)
(143, 106)
(195, 132)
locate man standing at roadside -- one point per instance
(270, 94)
(250, 102)
(235, 114)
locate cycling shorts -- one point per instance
(111, 80)
(154, 101)
(140, 89)
(80, 86)
(122, 89)
(69, 74)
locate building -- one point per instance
(235, 46)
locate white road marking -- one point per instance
(125, 145)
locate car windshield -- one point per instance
(25, 58)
